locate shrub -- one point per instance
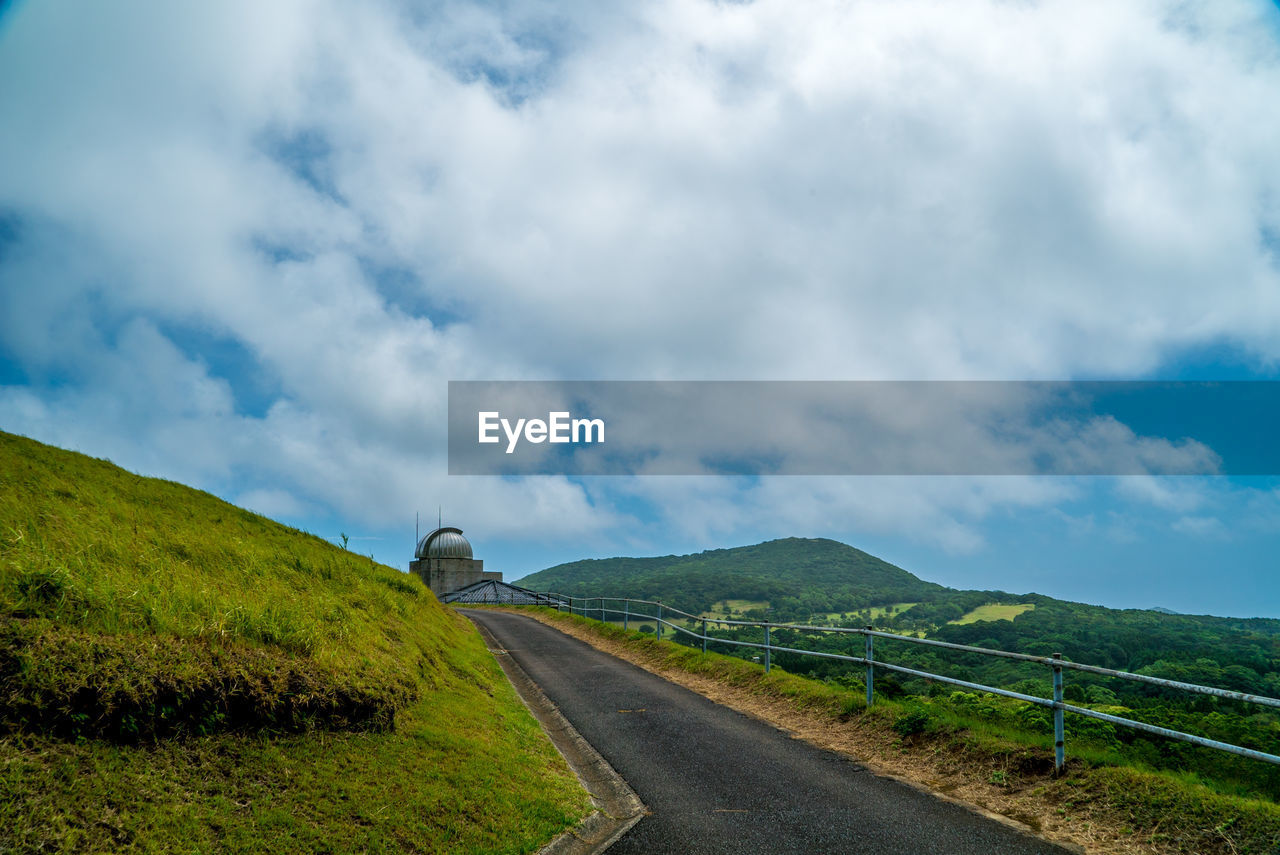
(912, 721)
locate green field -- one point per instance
(733, 609)
(875, 613)
(893, 609)
(994, 611)
(176, 672)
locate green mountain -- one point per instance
(177, 672)
(796, 576)
(819, 580)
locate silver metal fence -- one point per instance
(663, 617)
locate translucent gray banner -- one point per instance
(863, 428)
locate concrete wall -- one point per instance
(446, 575)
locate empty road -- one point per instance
(717, 781)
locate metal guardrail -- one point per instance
(662, 615)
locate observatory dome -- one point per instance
(445, 542)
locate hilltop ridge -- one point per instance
(796, 575)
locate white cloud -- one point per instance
(944, 512)
(1175, 495)
(683, 189)
(278, 504)
(1201, 527)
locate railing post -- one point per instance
(658, 622)
(1059, 749)
(704, 635)
(626, 614)
(870, 670)
(601, 609)
(767, 651)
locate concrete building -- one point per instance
(443, 560)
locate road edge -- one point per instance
(868, 764)
(617, 807)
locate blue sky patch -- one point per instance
(254, 387)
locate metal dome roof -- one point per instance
(444, 542)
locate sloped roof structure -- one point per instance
(493, 592)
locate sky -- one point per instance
(246, 246)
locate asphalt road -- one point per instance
(718, 781)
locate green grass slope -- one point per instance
(179, 673)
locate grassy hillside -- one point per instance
(176, 672)
(994, 611)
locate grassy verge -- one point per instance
(466, 770)
(178, 674)
(1099, 802)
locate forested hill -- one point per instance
(794, 575)
(823, 581)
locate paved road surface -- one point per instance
(718, 781)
